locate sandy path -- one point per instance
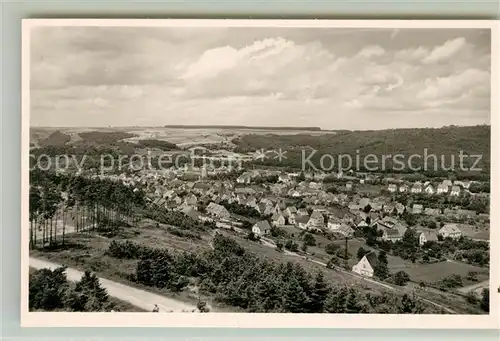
(474, 287)
(137, 297)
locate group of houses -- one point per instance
(445, 187)
(367, 264)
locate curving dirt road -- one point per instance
(137, 297)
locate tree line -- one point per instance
(84, 204)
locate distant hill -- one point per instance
(234, 127)
(446, 141)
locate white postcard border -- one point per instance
(260, 320)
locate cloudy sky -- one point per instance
(327, 77)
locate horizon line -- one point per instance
(230, 126)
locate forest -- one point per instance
(238, 278)
(446, 142)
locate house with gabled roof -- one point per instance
(345, 230)
(442, 188)
(366, 265)
(218, 211)
(450, 231)
(447, 183)
(278, 219)
(191, 212)
(190, 200)
(388, 208)
(316, 221)
(417, 188)
(427, 236)
(261, 228)
(301, 221)
(290, 211)
(403, 188)
(429, 189)
(418, 208)
(391, 235)
(432, 211)
(455, 191)
(333, 223)
(400, 208)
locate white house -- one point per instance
(429, 189)
(403, 188)
(447, 183)
(450, 231)
(345, 230)
(391, 235)
(417, 188)
(244, 178)
(418, 208)
(455, 191)
(278, 219)
(334, 223)
(442, 188)
(301, 221)
(392, 188)
(316, 221)
(261, 228)
(218, 211)
(367, 264)
(426, 236)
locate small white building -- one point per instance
(426, 236)
(442, 188)
(261, 228)
(429, 189)
(450, 231)
(455, 191)
(367, 264)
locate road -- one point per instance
(474, 287)
(137, 297)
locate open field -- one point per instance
(476, 232)
(437, 271)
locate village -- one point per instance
(423, 227)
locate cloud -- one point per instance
(455, 85)
(446, 51)
(159, 76)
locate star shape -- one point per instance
(280, 155)
(260, 154)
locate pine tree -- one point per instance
(295, 300)
(410, 305)
(381, 269)
(485, 300)
(352, 304)
(336, 301)
(319, 294)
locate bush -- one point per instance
(331, 248)
(401, 278)
(309, 239)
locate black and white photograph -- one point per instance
(240, 172)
